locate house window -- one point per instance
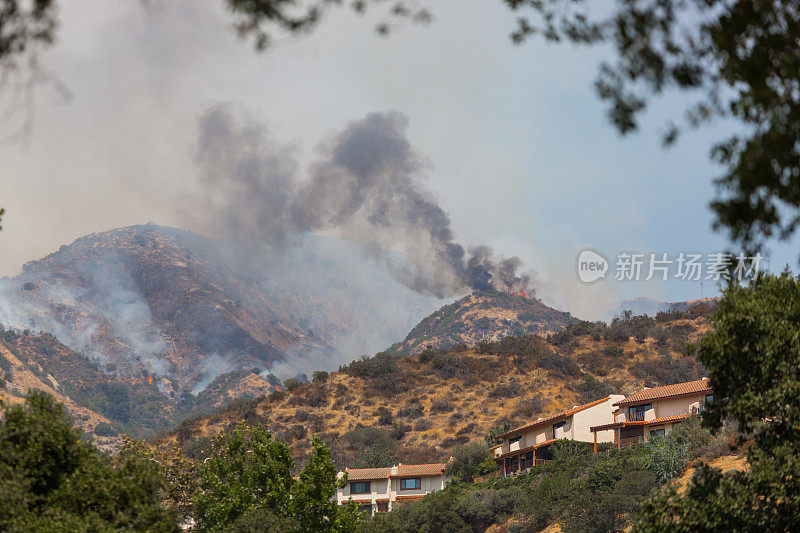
(657, 432)
(709, 399)
(514, 439)
(636, 412)
(359, 487)
(367, 507)
(411, 483)
(383, 507)
(558, 425)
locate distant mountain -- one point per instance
(483, 316)
(182, 309)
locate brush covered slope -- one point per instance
(389, 408)
(103, 403)
(186, 308)
(483, 316)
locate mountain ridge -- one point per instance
(189, 308)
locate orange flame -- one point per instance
(150, 379)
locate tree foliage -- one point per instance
(469, 461)
(249, 474)
(753, 359)
(50, 480)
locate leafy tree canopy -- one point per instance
(50, 480)
(753, 359)
(249, 475)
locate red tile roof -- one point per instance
(367, 474)
(523, 450)
(554, 417)
(653, 422)
(431, 469)
(667, 391)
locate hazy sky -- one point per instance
(523, 157)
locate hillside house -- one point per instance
(527, 445)
(382, 489)
(655, 412)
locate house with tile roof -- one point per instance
(655, 412)
(382, 489)
(528, 445)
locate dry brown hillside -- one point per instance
(416, 409)
(103, 403)
(483, 316)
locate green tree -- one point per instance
(313, 504)
(247, 469)
(50, 480)
(248, 480)
(753, 359)
(469, 461)
(178, 475)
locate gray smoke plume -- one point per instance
(365, 185)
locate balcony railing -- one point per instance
(635, 417)
(631, 441)
(524, 466)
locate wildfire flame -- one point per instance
(150, 379)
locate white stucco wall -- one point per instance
(677, 406)
(383, 489)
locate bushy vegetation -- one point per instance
(667, 369)
(591, 389)
(54, 481)
(579, 489)
(250, 471)
(752, 358)
(470, 461)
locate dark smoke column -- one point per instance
(365, 185)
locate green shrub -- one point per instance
(592, 389)
(411, 410)
(612, 350)
(666, 456)
(451, 366)
(559, 364)
(384, 416)
(470, 461)
(380, 364)
(506, 390)
(667, 370)
(442, 405)
(528, 407)
(292, 384)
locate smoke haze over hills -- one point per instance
(172, 303)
